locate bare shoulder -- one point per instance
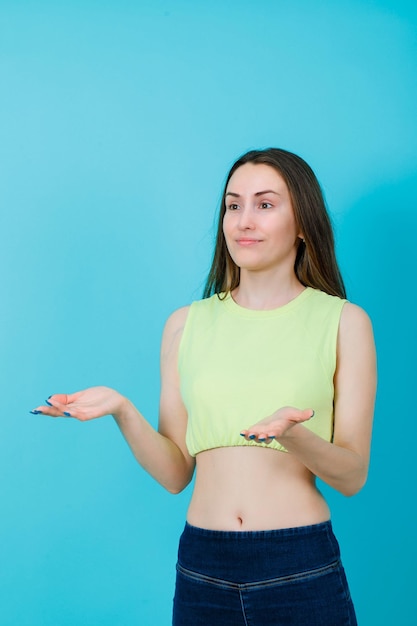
(176, 321)
(354, 320)
(356, 338)
(174, 327)
(179, 315)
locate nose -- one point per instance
(246, 219)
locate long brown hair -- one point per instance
(315, 264)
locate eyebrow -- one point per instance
(258, 193)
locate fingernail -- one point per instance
(271, 436)
(242, 434)
(35, 412)
(313, 414)
(261, 438)
(252, 436)
(67, 414)
(47, 401)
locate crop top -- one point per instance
(238, 365)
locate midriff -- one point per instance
(254, 488)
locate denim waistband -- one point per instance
(247, 556)
(278, 533)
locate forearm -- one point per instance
(157, 454)
(341, 468)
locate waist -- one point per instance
(249, 489)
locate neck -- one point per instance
(266, 290)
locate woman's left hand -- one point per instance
(277, 425)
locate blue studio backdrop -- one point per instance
(118, 122)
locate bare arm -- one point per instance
(162, 454)
(344, 463)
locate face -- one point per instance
(259, 224)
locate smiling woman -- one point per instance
(292, 185)
(267, 383)
(259, 218)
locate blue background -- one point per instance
(118, 122)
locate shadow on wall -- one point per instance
(381, 229)
(378, 247)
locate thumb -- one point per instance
(307, 414)
(60, 398)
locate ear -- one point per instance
(301, 237)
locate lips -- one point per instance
(247, 242)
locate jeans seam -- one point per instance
(243, 607)
(299, 577)
(218, 582)
(330, 539)
(346, 590)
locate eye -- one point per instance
(265, 205)
(233, 206)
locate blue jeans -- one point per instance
(261, 578)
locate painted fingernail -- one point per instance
(261, 438)
(313, 414)
(242, 434)
(35, 412)
(47, 401)
(252, 436)
(67, 414)
(271, 436)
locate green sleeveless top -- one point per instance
(237, 366)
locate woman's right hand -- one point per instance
(84, 405)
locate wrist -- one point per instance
(294, 433)
(123, 409)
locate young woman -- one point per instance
(267, 382)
